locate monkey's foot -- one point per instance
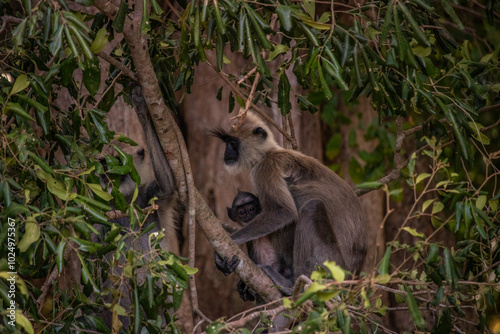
(225, 265)
(245, 292)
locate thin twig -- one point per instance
(128, 72)
(243, 321)
(258, 110)
(117, 214)
(242, 114)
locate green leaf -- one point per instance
(60, 255)
(156, 7)
(73, 18)
(119, 21)
(421, 51)
(81, 41)
(448, 7)
(100, 41)
(305, 104)
(41, 162)
(337, 272)
(221, 28)
(433, 254)
(55, 186)
(333, 69)
(414, 310)
(18, 110)
(101, 128)
(22, 321)
(284, 14)
(278, 49)
(86, 276)
(426, 204)
(257, 28)
(419, 35)
(310, 7)
(324, 84)
(387, 21)
(145, 23)
(464, 146)
(437, 207)
(92, 76)
(20, 84)
(94, 203)
(449, 268)
(284, 93)
(97, 189)
(71, 42)
(56, 43)
(309, 34)
(383, 268)
(31, 234)
(414, 232)
(422, 177)
(219, 51)
(18, 32)
(370, 185)
(86, 3)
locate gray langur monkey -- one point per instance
(300, 197)
(262, 251)
(156, 181)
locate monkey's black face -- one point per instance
(247, 213)
(232, 152)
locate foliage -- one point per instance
(415, 59)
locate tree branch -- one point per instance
(128, 72)
(172, 141)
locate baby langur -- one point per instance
(313, 214)
(261, 251)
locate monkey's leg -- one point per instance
(283, 284)
(315, 242)
(245, 292)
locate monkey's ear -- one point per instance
(230, 214)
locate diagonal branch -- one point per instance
(171, 140)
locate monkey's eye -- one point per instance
(241, 212)
(251, 209)
(141, 153)
(260, 131)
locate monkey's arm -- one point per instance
(163, 173)
(278, 209)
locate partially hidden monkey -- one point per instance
(156, 181)
(245, 207)
(304, 203)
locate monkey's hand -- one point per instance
(225, 265)
(245, 292)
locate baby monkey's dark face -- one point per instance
(245, 207)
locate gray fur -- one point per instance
(299, 194)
